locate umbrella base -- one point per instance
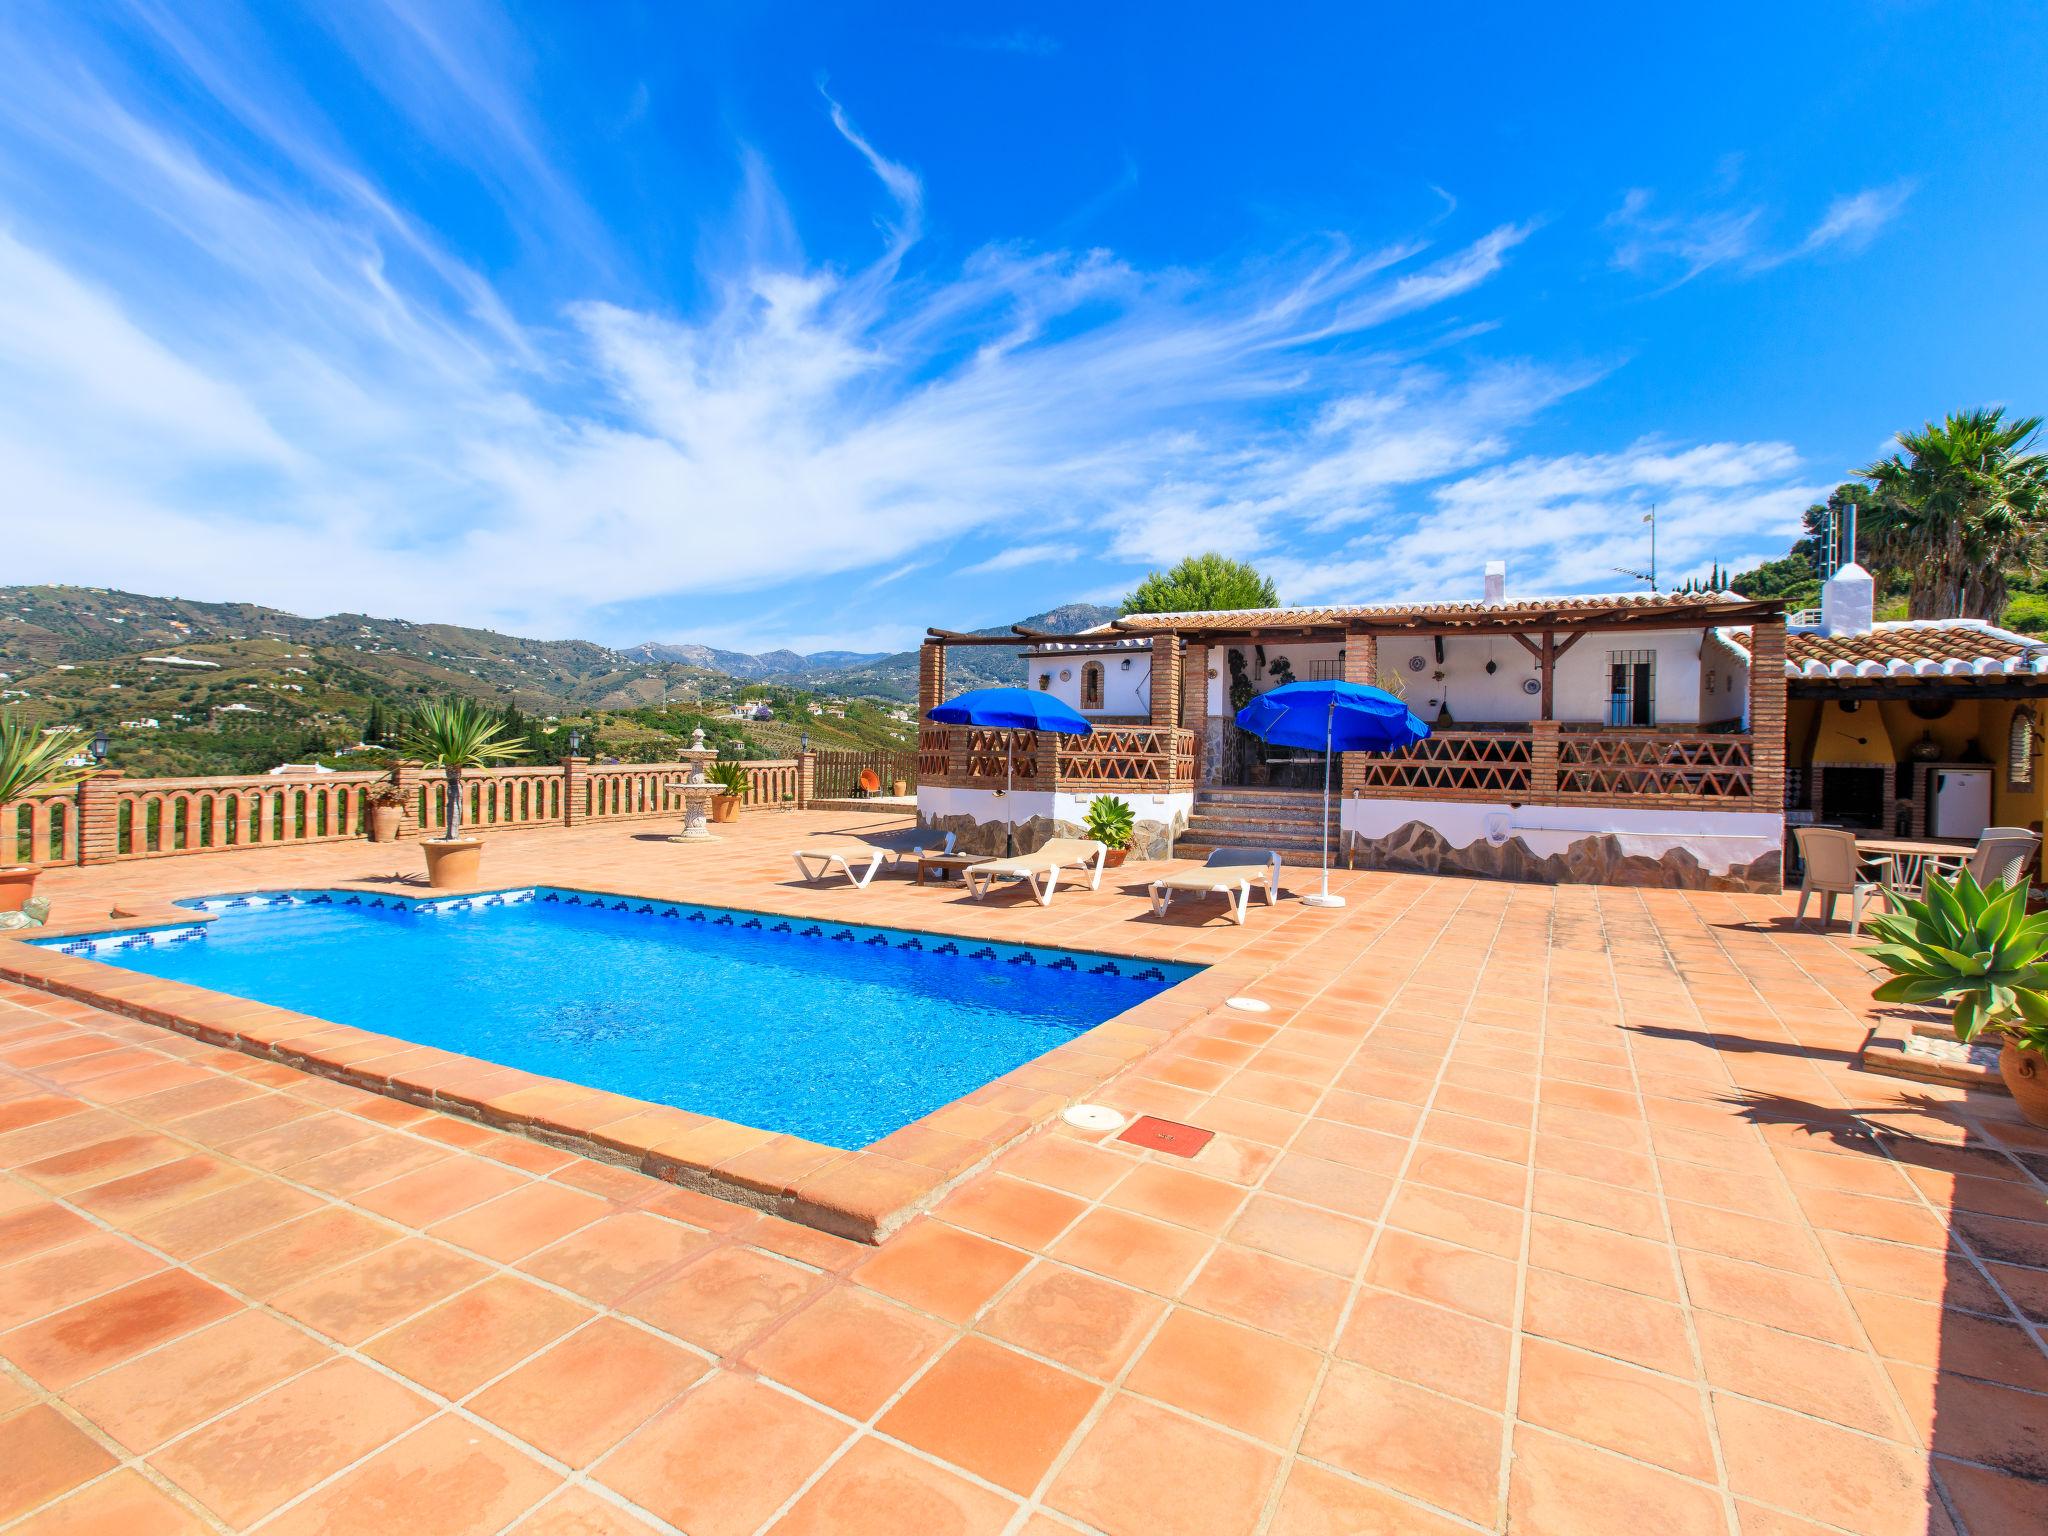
(1319, 899)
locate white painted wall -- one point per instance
(1478, 697)
(1126, 681)
(1160, 817)
(1724, 682)
(1718, 839)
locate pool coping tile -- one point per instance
(864, 1195)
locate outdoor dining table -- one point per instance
(1910, 856)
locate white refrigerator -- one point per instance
(1960, 803)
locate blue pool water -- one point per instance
(835, 1033)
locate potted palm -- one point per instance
(1975, 949)
(387, 812)
(29, 762)
(452, 735)
(1112, 823)
(732, 781)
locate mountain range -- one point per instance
(46, 629)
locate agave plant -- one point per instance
(30, 761)
(1974, 948)
(730, 777)
(1111, 822)
(455, 734)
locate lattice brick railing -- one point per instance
(1128, 756)
(1475, 764)
(1653, 763)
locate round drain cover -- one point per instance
(1092, 1117)
(1247, 1005)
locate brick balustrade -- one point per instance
(108, 816)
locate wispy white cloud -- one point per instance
(1574, 522)
(1678, 247)
(1853, 222)
(1015, 557)
(234, 366)
(1684, 244)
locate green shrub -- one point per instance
(1975, 949)
(1111, 822)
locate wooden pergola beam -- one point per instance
(1895, 689)
(1440, 627)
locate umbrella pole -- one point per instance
(1325, 899)
(1009, 788)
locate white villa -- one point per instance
(1614, 739)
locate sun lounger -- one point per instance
(1041, 865)
(856, 862)
(1229, 873)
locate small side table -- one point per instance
(947, 864)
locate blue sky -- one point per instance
(772, 324)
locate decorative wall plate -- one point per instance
(1415, 663)
(1532, 686)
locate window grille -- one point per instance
(1631, 687)
(2019, 760)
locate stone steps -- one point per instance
(1290, 822)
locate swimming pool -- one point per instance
(836, 1033)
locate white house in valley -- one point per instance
(1624, 738)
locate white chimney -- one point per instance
(1496, 582)
(1847, 601)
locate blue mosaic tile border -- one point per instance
(1135, 968)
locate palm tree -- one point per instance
(1956, 508)
(455, 734)
(29, 760)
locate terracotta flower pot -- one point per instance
(384, 820)
(16, 886)
(454, 862)
(2026, 1078)
(899, 787)
(1114, 858)
(725, 807)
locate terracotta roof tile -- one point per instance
(1910, 648)
(1688, 604)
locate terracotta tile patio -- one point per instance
(1542, 1210)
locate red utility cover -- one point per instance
(1156, 1135)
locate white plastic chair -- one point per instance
(1834, 866)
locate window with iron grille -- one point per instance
(1326, 671)
(1631, 687)
(2019, 760)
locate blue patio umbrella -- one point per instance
(1010, 709)
(1337, 717)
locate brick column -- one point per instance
(406, 778)
(573, 788)
(1361, 665)
(1166, 701)
(1166, 671)
(806, 778)
(99, 817)
(1767, 714)
(1543, 762)
(1194, 703)
(931, 676)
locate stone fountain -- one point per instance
(695, 789)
